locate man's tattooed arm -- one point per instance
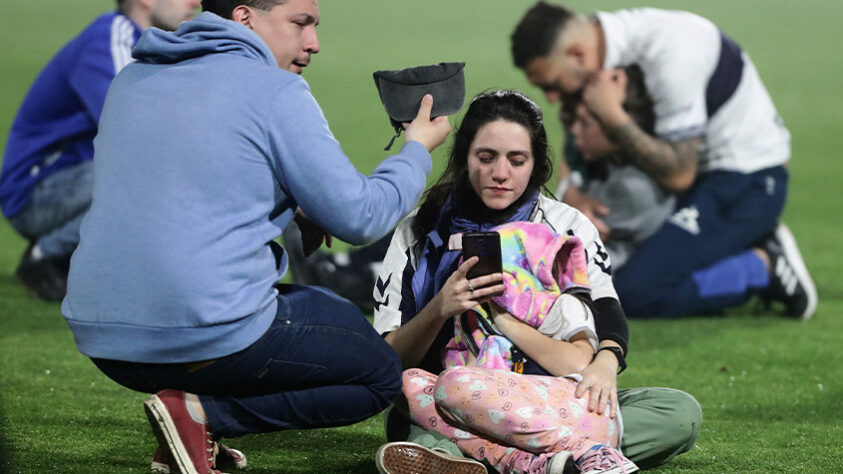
(672, 165)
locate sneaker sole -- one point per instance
(156, 467)
(562, 463)
(166, 433)
(237, 461)
(791, 252)
(409, 458)
(626, 469)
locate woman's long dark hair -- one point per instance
(509, 105)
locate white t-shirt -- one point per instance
(702, 85)
(567, 317)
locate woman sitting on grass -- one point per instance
(498, 164)
(482, 391)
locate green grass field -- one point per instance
(770, 387)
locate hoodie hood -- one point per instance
(206, 34)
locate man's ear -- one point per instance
(243, 14)
(144, 6)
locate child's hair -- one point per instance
(638, 103)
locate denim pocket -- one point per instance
(291, 372)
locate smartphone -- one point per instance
(486, 246)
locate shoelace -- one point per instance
(613, 454)
(212, 458)
(604, 458)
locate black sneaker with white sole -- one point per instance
(790, 282)
(46, 277)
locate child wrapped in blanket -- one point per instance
(492, 397)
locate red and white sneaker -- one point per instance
(188, 443)
(603, 459)
(226, 458)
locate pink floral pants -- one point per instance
(513, 421)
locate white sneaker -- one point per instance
(605, 460)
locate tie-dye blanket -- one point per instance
(538, 266)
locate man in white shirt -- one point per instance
(718, 143)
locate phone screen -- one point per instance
(486, 246)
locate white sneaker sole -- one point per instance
(562, 463)
(241, 464)
(410, 458)
(159, 468)
(794, 257)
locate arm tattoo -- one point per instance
(656, 157)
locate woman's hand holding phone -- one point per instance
(459, 293)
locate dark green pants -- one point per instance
(659, 423)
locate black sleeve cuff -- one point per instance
(610, 321)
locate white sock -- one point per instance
(342, 259)
(37, 253)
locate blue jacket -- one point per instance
(205, 150)
(56, 124)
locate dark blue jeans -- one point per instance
(320, 364)
(700, 260)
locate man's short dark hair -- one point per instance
(224, 8)
(536, 33)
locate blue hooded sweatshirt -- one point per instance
(205, 149)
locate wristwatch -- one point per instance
(618, 355)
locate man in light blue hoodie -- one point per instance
(207, 146)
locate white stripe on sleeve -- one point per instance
(122, 41)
